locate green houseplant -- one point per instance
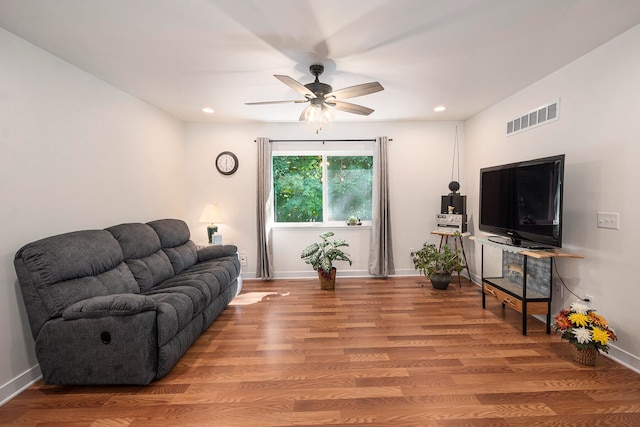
(437, 264)
(322, 255)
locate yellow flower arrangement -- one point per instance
(584, 328)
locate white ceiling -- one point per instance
(183, 55)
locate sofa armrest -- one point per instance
(116, 349)
(109, 305)
(216, 251)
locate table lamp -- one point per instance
(211, 215)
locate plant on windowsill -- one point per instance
(354, 220)
(586, 331)
(322, 255)
(437, 264)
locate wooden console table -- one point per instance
(525, 282)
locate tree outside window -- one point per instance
(322, 188)
(350, 181)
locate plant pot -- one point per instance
(440, 281)
(327, 282)
(586, 356)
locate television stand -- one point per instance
(524, 280)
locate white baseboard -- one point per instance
(620, 356)
(14, 387)
(314, 275)
(341, 273)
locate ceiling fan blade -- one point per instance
(295, 85)
(292, 101)
(357, 90)
(350, 108)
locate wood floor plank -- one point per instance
(378, 352)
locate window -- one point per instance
(322, 187)
(297, 188)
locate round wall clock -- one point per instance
(227, 163)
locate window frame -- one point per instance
(324, 152)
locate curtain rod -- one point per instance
(323, 140)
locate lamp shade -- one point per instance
(211, 215)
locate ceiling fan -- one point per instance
(322, 98)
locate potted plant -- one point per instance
(354, 220)
(586, 330)
(322, 255)
(437, 264)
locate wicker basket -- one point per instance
(585, 356)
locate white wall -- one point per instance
(74, 153)
(420, 159)
(598, 131)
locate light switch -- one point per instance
(609, 220)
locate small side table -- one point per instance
(444, 239)
(217, 240)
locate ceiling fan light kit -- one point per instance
(323, 99)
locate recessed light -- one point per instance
(440, 108)
(208, 110)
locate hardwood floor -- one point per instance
(376, 352)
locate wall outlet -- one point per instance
(590, 298)
(243, 258)
(609, 220)
(559, 290)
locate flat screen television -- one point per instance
(523, 202)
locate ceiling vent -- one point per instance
(534, 118)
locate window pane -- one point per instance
(350, 180)
(297, 185)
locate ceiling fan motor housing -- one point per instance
(316, 69)
(319, 89)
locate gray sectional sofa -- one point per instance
(122, 305)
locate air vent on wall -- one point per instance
(534, 118)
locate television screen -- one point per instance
(523, 201)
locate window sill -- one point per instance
(321, 226)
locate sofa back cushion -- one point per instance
(142, 252)
(58, 271)
(174, 238)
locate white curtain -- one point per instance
(381, 253)
(264, 206)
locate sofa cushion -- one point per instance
(71, 267)
(225, 269)
(136, 240)
(117, 281)
(174, 239)
(198, 298)
(172, 232)
(70, 256)
(142, 252)
(174, 311)
(151, 270)
(205, 282)
(182, 257)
